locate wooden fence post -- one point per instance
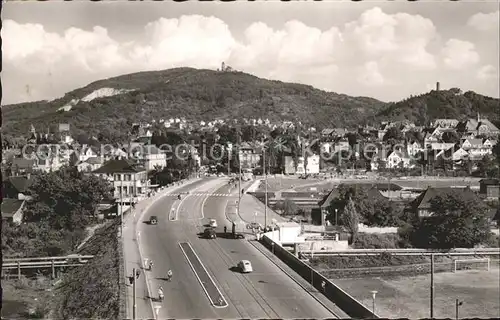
(53, 270)
(18, 269)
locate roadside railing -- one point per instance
(403, 252)
(45, 262)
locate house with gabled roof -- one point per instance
(90, 164)
(475, 147)
(12, 210)
(479, 126)
(489, 143)
(421, 206)
(413, 147)
(87, 151)
(15, 187)
(22, 166)
(397, 159)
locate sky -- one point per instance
(386, 50)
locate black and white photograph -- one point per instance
(250, 159)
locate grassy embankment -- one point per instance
(93, 291)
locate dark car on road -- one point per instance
(210, 233)
(153, 220)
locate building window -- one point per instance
(118, 177)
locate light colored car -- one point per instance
(245, 266)
(213, 223)
(254, 225)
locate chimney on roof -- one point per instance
(437, 86)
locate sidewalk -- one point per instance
(133, 256)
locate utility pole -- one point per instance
(228, 162)
(432, 287)
(457, 304)
(121, 204)
(134, 295)
(265, 182)
(239, 181)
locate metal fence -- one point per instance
(53, 263)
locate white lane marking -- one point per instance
(204, 200)
(180, 203)
(221, 297)
(135, 225)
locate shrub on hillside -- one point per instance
(377, 241)
(493, 241)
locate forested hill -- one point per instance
(110, 106)
(194, 94)
(441, 104)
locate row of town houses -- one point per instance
(477, 137)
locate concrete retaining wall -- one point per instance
(342, 299)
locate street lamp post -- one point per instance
(432, 287)
(229, 149)
(374, 293)
(336, 217)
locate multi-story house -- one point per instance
(312, 166)
(249, 156)
(130, 180)
(149, 156)
(413, 148)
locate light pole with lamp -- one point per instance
(374, 293)
(336, 210)
(265, 182)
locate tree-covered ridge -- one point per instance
(196, 95)
(451, 104)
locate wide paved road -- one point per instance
(213, 289)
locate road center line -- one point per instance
(207, 283)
